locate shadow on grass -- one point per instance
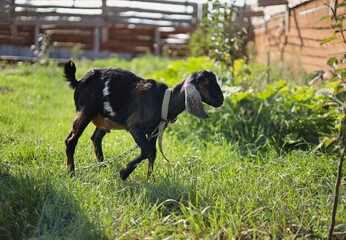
(167, 190)
(33, 208)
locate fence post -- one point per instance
(37, 33)
(96, 42)
(268, 65)
(157, 42)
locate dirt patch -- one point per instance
(5, 90)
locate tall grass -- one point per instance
(209, 189)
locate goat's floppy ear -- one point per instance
(193, 101)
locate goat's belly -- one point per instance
(106, 123)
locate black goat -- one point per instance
(113, 98)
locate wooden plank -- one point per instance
(131, 37)
(67, 32)
(124, 48)
(31, 9)
(307, 6)
(53, 13)
(310, 19)
(249, 13)
(75, 38)
(274, 26)
(139, 31)
(5, 33)
(93, 7)
(306, 42)
(17, 41)
(173, 20)
(311, 33)
(72, 44)
(265, 3)
(108, 18)
(301, 50)
(67, 27)
(94, 23)
(319, 61)
(134, 42)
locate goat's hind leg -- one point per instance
(96, 138)
(81, 121)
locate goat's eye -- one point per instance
(203, 82)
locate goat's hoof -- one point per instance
(151, 178)
(72, 174)
(124, 174)
(70, 170)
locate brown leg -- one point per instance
(80, 122)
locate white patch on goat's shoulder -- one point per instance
(106, 104)
(106, 89)
(108, 108)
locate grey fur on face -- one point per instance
(193, 102)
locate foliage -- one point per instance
(256, 114)
(218, 36)
(43, 49)
(178, 70)
(338, 77)
(144, 66)
(77, 51)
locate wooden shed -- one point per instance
(100, 27)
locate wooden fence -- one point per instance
(130, 27)
(295, 37)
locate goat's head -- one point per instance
(201, 87)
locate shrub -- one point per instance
(256, 114)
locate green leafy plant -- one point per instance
(256, 114)
(338, 77)
(43, 49)
(218, 36)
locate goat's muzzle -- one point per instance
(217, 101)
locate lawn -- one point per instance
(209, 189)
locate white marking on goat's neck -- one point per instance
(106, 105)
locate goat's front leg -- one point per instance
(151, 157)
(148, 150)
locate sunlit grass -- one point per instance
(207, 190)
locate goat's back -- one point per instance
(98, 85)
(129, 99)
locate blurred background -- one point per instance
(288, 31)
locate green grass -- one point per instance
(208, 190)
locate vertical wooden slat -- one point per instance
(96, 42)
(157, 42)
(37, 33)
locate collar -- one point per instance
(165, 105)
(164, 120)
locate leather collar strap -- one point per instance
(165, 105)
(164, 121)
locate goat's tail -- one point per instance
(70, 74)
